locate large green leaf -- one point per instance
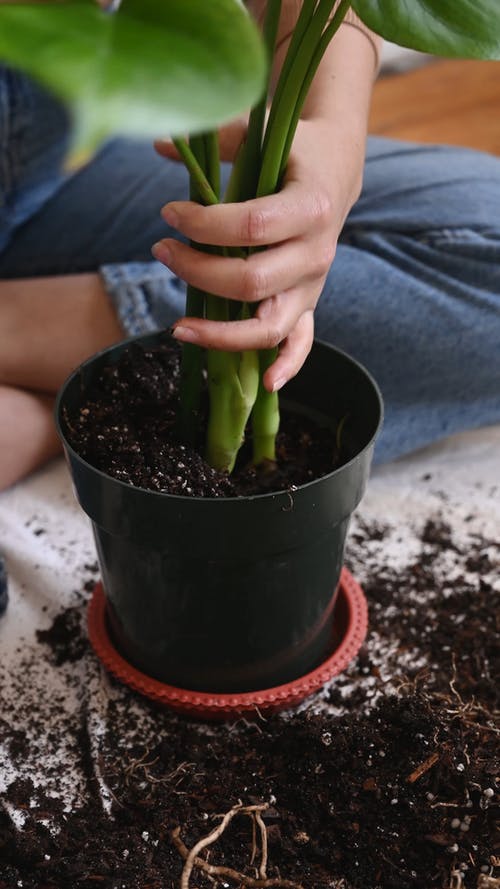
(459, 28)
(155, 67)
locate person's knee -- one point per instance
(28, 436)
(412, 188)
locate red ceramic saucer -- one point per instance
(352, 617)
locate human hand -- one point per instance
(299, 225)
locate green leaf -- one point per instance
(455, 28)
(153, 68)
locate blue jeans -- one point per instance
(413, 293)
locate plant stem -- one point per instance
(192, 363)
(197, 148)
(212, 161)
(265, 415)
(250, 365)
(206, 192)
(200, 155)
(232, 377)
(277, 129)
(307, 46)
(303, 20)
(233, 380)
(252, 147)
(328, 34)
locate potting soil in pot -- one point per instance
(385, 780)
(126, 428)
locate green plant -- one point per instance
(186, 66)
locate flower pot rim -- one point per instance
(213, 706)
(194, 499)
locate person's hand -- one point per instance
(300, 226)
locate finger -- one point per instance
(264, 331)
(248, 280)
(259, 222)
(230, 138)
(292, 354)
(166, 148)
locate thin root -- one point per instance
(192, 859)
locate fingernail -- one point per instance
(161, 252)
(186, 334)
(278, 384)
(170, 216)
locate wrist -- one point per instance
(336, 154)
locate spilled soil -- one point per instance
(386, 780)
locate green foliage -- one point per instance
(152, 69)
(456, 28)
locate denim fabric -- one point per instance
(146, 295)
(34, 131)
(413, 293)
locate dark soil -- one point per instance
(65, 637)
(126, 428)
(386, 781)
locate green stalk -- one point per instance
(200, 155)
(252, 148)
(234, 386)
(192, 363)
(244, 186)
(306, 13)
(232, 377)
(212, 161)
(233, 380)
(265, 415)
(308, 44)
(197, 173)
(277, 130)
(196, 146)
(321, 48)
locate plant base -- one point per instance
(351, 622)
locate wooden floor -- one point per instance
(452, 102)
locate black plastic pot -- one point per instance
(236, 594)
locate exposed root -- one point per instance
(423, 768)
(144, 765)
(456, 880)
(140, 763)
(192, 859)
(263, 838)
